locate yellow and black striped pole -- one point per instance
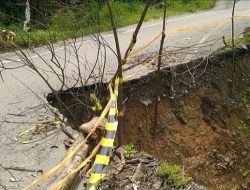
(103, 157)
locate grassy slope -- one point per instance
(61, 26)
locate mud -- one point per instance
(202, 123)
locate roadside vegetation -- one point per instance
(129, 150)
(57, 20)
(245, 39)
(175, 175)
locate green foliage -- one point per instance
(129, 150)
(3, 18)
(175, 175)
(63, 20)
(245, 98)
(245, 38)
(189, 5)
(57, 20)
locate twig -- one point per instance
(233, 46)
(119, 57)
(159, 68)
(5, 188)
(11, 175)
(22, 169)
(123, 61)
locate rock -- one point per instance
(234, 133)
(146, 102)
(244, 47)
(12, 179)
(182, 118)
(180, 115)
(222, 166)
(135, 186)
(244, 187)
(244, 153)
(127, 187)
(194, 186)
(227, 159)
(171, 97)
(157, 184)
(189, 39)
(245, 173)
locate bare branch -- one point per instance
(159, 68)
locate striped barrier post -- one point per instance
(103, 157)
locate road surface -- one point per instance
(203, 31)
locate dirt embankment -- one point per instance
(201, 125)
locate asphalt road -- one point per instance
(13, 91)
(22, 89)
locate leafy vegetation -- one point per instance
(57, 20)
(245, 38)
(129, 150)
(175, 175)
(245, 98)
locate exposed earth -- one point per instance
(202, 125)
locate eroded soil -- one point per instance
(204, 132)
(203, 129)
(202, 123)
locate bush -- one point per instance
(174, 174)
(129, 150)
(63, 20)
(77, 17)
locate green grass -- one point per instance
(246, 37)
(175, 175)
(66, 24)
(244, 40)
(129, 150)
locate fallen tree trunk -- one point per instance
(78, 158)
